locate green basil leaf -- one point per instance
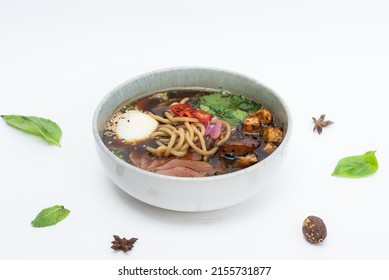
(50, 216)
(45, 128)
(357, 166)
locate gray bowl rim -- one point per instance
(242, 172)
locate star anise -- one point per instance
(123, 243)
(320, 123)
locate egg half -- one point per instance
(134, 126)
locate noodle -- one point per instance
(158, 118)
(162, 142)
(180, 119)
(190, 129)
(181, 133)
(184, 100)
(158, 133)
(170, 145)
(200, 138)
(175, 135)
(197, 149)
(202, 127)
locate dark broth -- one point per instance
(158, 103)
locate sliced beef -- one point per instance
(190, 166)
(180, 171)
(135, 158)
(146, 161)
(192, 156)
(201, 167)
(157, 162)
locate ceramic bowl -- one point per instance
(192, 194)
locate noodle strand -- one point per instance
(175, 135)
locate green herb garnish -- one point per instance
(357, 166)
(44, 128)
(50, 216)
(226, 106)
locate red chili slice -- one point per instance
(185, 110)
(202, 116)
(182, 110)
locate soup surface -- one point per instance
(192, 132)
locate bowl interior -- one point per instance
(191, 77)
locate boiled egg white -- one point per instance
(134, 126)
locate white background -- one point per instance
(58, 59)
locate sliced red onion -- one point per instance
(209, 128)
(213, 128)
